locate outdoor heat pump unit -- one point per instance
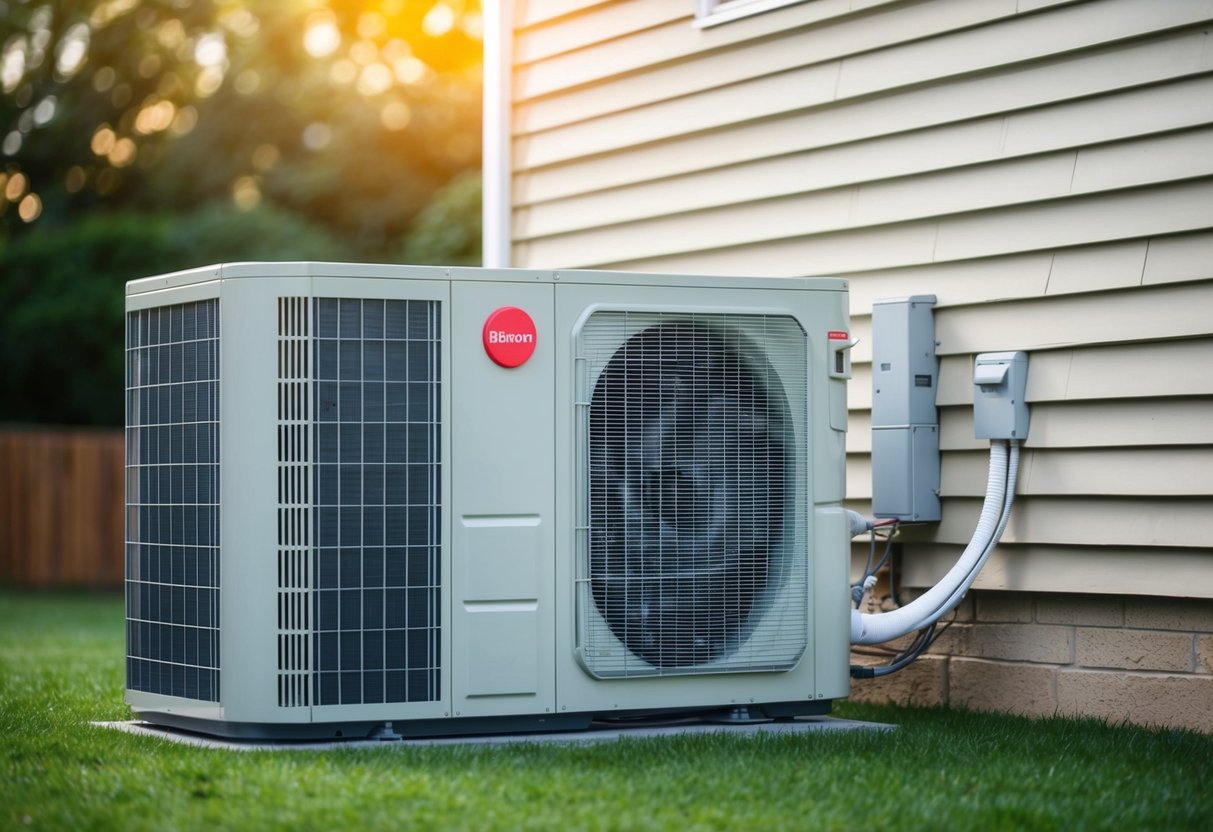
(457, 500)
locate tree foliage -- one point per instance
(61, 300)
(139, 136)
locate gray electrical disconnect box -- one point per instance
(1000, 382)
(905, 423)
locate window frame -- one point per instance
(710, 13)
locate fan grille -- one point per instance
(693, 554)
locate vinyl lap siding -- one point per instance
(1045, 169)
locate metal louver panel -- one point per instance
(376, 474)
(172, 500)
(294, 503)
(693, 557)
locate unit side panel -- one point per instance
(503, 527)
(251, 535)
(830, 624)
(831, 602)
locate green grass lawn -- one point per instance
(61, 667)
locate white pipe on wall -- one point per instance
(495, 172)
(878, 628)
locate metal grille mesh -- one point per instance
(693, 558)
(376, 503)
(172, 498)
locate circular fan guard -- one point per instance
(688, 462)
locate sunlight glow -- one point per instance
(106, 13)
(104, 78)
(395, 115)
(473, 25)
(45, 111)
(30, 208)
(411, 70)
(343, 71)
(155, 117)
(322, 36)
(123, 153)
(209, 80)
(211, 50)
(375, 79)
(394, 50)
(187, 118)
(364, 52)
(121, 96)
(150, 65)
(438, 20)
(76, 179)
(246, 193)
(103, 140)
(72, 51)
(108, 181)
(40, 24)
(248, 81)
(265, 157)
(12, 65)
(240, 21)
(317, 135)
(15, 187)
(171, 33)
(371, 25)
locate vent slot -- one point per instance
(172, 500)
(294, 504)
(692, 550)
(376, 509)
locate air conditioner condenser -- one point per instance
(464, 500)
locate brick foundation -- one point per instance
(1126, 659)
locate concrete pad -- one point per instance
(599, 732)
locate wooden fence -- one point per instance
(61, 506)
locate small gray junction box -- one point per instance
(1000, 381)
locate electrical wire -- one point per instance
(872, 567)
(901, 660)
(888, 552)
(922, 642)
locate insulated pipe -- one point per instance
(1012, 480)
(881, 627)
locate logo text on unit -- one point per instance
(496, 336)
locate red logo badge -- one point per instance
(509, 336)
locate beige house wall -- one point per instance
(1044, 168)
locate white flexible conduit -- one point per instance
(945, 595)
